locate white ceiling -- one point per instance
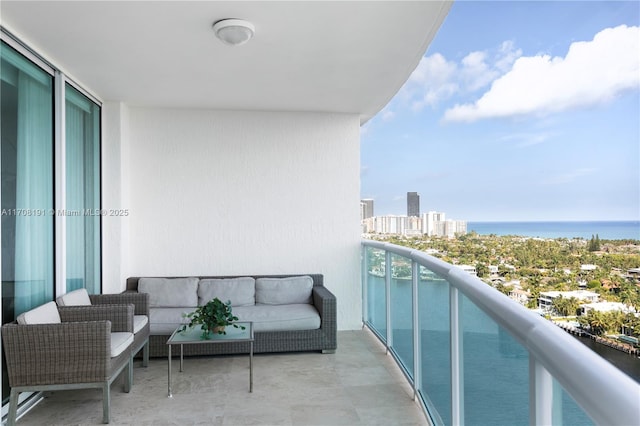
(328, 56)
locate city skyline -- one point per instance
(518, 117)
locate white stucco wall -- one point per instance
(224, 192)
(115, 175)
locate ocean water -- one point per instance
(611, 230)
(495, 366)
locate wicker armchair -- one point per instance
(72, 354)
(140, 302)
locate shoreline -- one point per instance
(613, 230)
(614, 344)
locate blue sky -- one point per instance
(518, 111)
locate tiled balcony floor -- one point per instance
(358, 385)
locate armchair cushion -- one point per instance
(43, 314)
(139, 321)
(120, 341)
(78, 297)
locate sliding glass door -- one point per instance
(50, 169)
(82, 129)
(27, 186)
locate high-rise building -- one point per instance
(429, 222)
(413, 204)
(366, 208)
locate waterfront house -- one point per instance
(633, 275)
(546, 298)
(493, 270)
(605, 307)
(470, 269)
(519, 295)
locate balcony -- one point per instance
(358, 385)
(475, 356)
(463, 352)
(233, 161)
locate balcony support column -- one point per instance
(417, 347)
(365, 284)
(457, 370)
(387, 290)
(541, 395)
(60, 190)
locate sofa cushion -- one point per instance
(280, 317)
(164, 321)
(284, 291)
(240, 291)
(120, 341)
(78, 297)
(170, 292)
(43, 314)
(139, 321)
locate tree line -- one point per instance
(549, 264)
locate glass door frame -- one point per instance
(60, 80)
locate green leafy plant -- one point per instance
(214, 316)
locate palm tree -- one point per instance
(596, 322)
(630, 295)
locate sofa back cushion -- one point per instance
(240, 291)
(78, 297)
(284, 291)
(43, 314)
(170, 292)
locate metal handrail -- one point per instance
(604, 392)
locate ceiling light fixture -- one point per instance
(234, 32)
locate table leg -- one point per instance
(251, 368)
(170, 395)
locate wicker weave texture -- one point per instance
(140, 301)
(64, 353)
(121, 316)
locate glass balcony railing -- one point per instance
(475, 356)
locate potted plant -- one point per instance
(214, 316)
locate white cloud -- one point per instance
(431, 82)
(592, 72)
(506, 56)
(437, 79)
(476, 73)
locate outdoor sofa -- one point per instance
(290, 313)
